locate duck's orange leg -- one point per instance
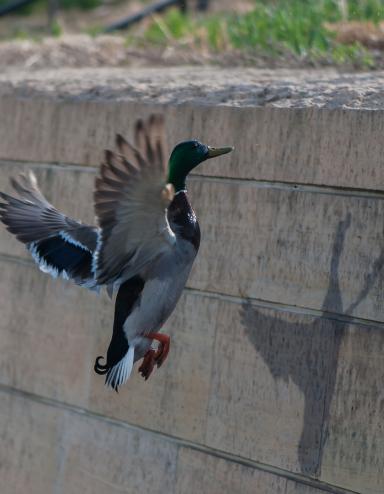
(148, 364)
(163, 350)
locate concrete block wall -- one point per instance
(275, 379)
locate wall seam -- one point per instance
(179, 442)
(264, 304)
(257, 183)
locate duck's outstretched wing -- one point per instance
(58, 244)
(131, 198)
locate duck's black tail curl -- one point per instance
(117, 373)
(100, 368)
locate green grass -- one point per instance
(372, 10)
(272, 27)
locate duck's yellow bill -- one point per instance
(213, 152)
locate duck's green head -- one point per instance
(186, 156)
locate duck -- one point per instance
(142, 248)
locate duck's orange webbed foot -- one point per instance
(155, 357)
(164, 346)
(148, 364)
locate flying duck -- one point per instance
(144, 245)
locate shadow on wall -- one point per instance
(308, 353)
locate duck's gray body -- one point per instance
(145, 302)
(163, 285)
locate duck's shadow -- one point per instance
(308, 353)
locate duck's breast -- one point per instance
(162, 289)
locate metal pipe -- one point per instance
(12, 6)
(151, 9)
(202, 5)
(53, 9)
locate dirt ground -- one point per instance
(203, 86)
(82, 51)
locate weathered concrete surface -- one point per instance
(284, 88)
(357, 405)
(239, 387)
(338, 148)
(274, 380)
(46, 448)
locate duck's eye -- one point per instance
(195, 144)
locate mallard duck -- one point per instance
(144, 245)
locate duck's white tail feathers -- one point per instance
(120, 373)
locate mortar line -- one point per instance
(281, 307)
(178, 441)
(51, 165)
(294, 186)
(332, 190)
(264, 304)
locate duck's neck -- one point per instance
(183, 220)
(178, 170)
(178, 182)
(181, 191)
